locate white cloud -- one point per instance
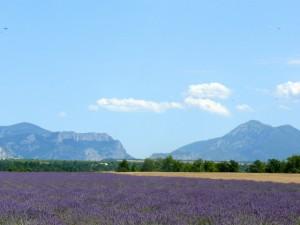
(244, 108)
(201, 96)
(294, 62)
(62, 114)
(207, 105)
(134, 105)
(209, 91)
(288, 90)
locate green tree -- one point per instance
(209, 166)
(148, 165)
(167, 164)
(133, 167)
(171, 165)
(197, 166)
(231, 166)
(274, 166)
(257, 167)
(123, 166)
(293, 164)
(223, 166)
(234, 166)
(177, 166)
(187, 167)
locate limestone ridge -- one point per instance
(28, 141)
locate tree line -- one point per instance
(168, 164)
(22, 165)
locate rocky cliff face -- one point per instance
(29, 141)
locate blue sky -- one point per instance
(154, 74)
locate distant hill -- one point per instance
(28, 141)
(250, 141)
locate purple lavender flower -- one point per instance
(109, 199)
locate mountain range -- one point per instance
(28, 141)
(250, 141)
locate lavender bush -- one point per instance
(108, 199)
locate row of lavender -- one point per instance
(108, 199)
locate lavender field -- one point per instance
(110, 199)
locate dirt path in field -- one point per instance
(279, 178)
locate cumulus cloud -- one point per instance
(205, 96)
(207, 105)
(209, 91)
(288, 90)
(134, 105)
(294, 62)
(244, 108)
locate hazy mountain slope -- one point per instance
(26, 140)
(250, 141)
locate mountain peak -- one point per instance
(24, 125)
(22, 128)
(249, 141)
(254, 123)
(252, 128)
